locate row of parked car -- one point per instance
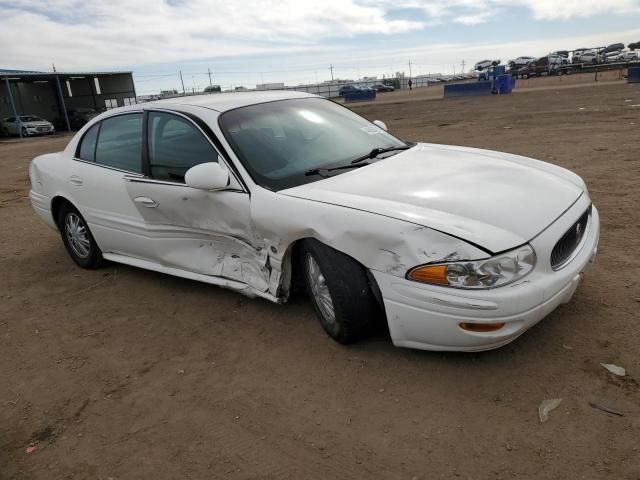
(378, 87)
(563, 60)
(450, 78)
(381, 87)
(30, 125)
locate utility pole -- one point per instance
(410, 74)
(463, 64)
(331, 68)
(209, 70)
(181, 81)
(54, 67)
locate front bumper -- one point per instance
(40, 130)
(427, 316)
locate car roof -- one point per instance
(221, 102)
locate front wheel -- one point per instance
(340, 291)
(24, 132)
(77, 238)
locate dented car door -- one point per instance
(207, 232)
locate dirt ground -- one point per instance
(122, 373)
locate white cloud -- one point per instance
(81, 34)
(473, 19)
(565, 9)
(478, 11)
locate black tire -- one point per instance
(24, 132)
(92, 259)
(355, 308)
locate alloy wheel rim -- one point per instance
(77, 235)
(319, 289)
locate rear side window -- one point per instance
(120, 143)
(88, 145)
(176, 145)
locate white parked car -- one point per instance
(458, 248)
(590, 57)
(484, 64)
(28, 125)
(613, 57)
(630, 56)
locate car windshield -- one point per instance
(278, 142)
(30, 118)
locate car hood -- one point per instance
(491, 199)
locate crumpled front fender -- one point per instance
(378, 242)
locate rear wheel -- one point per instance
(77, 238)
(340, 291)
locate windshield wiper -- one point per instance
(322, 171)
(358, 162)
(377, 151)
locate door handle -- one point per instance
(75, 180)
(147, 202)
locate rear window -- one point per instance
(88, 145)
(120, 143)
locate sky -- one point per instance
(247, 42)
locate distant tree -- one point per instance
(633, 46)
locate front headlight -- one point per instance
(488, 273)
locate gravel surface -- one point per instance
(122, 373)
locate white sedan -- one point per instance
(27, 125)
(458, 248)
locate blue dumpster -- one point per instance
(361, 96)
(505, 84)
(633, 75)
(472, 89)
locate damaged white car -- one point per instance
(458, 248)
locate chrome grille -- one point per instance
(570, 241)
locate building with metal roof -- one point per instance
(66, 99)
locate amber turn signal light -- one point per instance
(435, 274)
(481, 327)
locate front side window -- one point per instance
(279, 141)
(120, 143)
(176, 145)
(88, 146)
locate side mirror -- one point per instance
(381, 124)
(207, 176)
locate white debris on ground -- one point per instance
(615, 369)
(546, 407)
